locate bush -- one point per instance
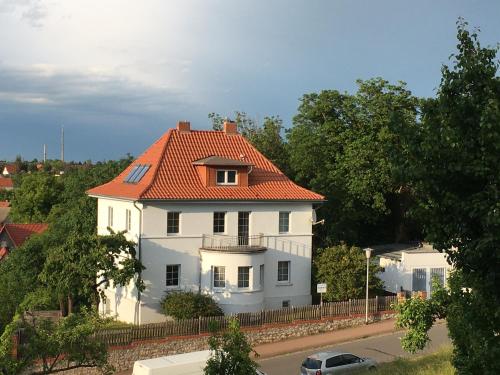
(189, 305)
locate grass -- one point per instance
(438, 363)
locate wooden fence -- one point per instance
(191, 327)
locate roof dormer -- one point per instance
(219, 171)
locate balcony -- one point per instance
(234, 244)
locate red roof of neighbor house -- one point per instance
(6, 182)
(4, 204)
(173, 175)
(3, 252)
(12, 168)
(19, 233)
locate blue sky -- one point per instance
(118, 73)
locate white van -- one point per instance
(179, 364)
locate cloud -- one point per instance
(32, 11)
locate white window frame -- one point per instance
(128, 220)
(219, 280)
(110, 216)
(178, 276)
(226, 172)
(279, 222)
(213, 223)
(287, 281)
(178, 223)
(248, 280)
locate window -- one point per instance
(128, 220)
(226, 177)
(243, 277)
(110, 216)
(173, 222)
(419, 277)
(334, 361)
(219, 277)
(439, 274)
(219, 222)
(284, 271)
(312, 364)
(285, 304)
(348, 359)
(261, 276)
(173, 273)
(284, 224)
(137, 173)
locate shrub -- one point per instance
(188, 305)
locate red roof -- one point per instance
(19, 233)
(4, 204)
(12, 168)
(6, 182)
(3, 252)
(173, 176)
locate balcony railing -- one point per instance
(233, 243)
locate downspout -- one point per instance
(139, 253)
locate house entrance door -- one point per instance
(243, 228)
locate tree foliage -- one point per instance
(189, 305)
(341, 145)
(230, 352)
(343, 269)
(55, 347)
(452, 166)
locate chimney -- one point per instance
(230, 127)
(184, 126)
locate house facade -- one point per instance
(411, 267)
(209, 214)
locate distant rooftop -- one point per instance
(395, 250)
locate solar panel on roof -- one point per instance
(131, 173)
(141, 172)
(137, 173)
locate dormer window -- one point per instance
(226, 177)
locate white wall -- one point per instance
(398, 273)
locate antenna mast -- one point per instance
(44, 153)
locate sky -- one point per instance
(118, 73)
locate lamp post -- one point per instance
(368, 253)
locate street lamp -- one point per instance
(368, 253)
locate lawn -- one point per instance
(438, 363)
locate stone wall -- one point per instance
(123, 358)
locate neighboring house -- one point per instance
(10, 169)
(210, 214)
(411, 267)
(14, 235)
(4, 211)
(6, 183)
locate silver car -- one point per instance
(335, 363)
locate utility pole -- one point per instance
(368, 252)
(62, 143)
(44, 153)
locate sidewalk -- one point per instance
(325, 339)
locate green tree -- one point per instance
(84, 265)
(343, 269)
(34, 198)
(453, 169)
(230, 352)
(188, 305)
(341, 146)
(55, 347)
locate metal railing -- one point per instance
(233, 243)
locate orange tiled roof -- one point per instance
(4, 204)
(19, 233)
(12, 168)
(173, 176)
(6, 182)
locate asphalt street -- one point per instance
(381, 348)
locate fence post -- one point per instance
(349, 308)
(199, 325)
(376, 303)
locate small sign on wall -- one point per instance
(321, 288)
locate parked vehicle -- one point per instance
(335, 363)
(178, 364)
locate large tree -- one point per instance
(453, 169)
(342, 146)
(343, 269)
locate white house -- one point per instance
(411, 267)
(211, 214)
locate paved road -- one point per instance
(382, 348)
